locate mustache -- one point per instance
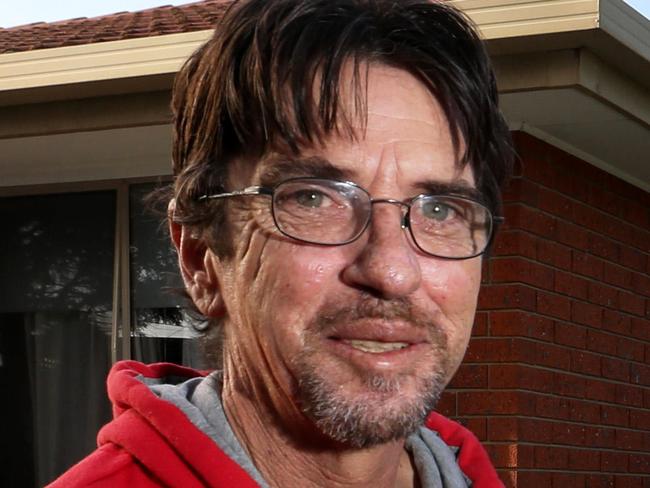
(369, 307)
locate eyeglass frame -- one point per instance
(259, 190)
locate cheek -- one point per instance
(453, 286)
(291, 283)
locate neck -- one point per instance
(296, 454)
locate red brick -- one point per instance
(640, 463)
(582, 411)
(534, 479)
(600, 390)
(599, 481)
(480, 327)
(517, 323)
(553, 305)
(552, 356)
(603, 294)
(630, 349)
(629, 440)
(489, 402)
(551, 457)
(569, 334)
(520, 270)
(568, 434)
(587, 265)
(555, 203)
(447, 404)
(522, 190)
(476, 425)
(640, 328)
(615, 369)
(631, 303)
(600, 437)
(587, 314)
(507, 296)
(617, 275)
(569, 479)
(570, 234)
(515, 243)
(497, 349)
(640, 374)
(616, 321)
(629, 395)
(569, 385)
(571, 285)
(553, 253)
(626, 481)
(583, 460)
(504, 455)
(640, 419)
(529, 219)
(502, 428)
(470, 376)
(611, 415)
(613, 461)
(641, 284)
(552, 407)
(601, 342)
(632, 258)
(585, 363)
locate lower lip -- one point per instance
(396, 359)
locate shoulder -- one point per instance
(472, 457)
(108, 466)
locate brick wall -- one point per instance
(556, 381)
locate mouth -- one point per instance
(379, 345)
(374, 347)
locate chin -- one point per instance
(363, 411)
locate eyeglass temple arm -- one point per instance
(251, 190)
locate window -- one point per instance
(86, 278)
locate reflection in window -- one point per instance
(160, 328)
(56, 257)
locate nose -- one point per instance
(386, 263)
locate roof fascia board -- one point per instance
(626, 25)
(575, 67)
(499, 19)
(90, 114)
(100, 61)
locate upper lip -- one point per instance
(380, 331)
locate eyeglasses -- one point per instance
(334, 213)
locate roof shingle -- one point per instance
(123, 25)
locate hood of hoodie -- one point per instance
(162, 438)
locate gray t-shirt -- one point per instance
(200, 400)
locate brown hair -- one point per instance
(251, 86)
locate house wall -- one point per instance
(556, 380)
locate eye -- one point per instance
(309, 198)
(436, 210)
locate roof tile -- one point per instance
(122, 25)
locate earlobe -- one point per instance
(198, 267)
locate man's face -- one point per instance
(319, 332)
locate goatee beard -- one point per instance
(375, 416)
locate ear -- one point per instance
(198, 265)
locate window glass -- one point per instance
(56, 262)
(160, 330)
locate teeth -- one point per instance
(375, 346)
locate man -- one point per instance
(337, 168)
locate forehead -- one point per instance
(402, 136)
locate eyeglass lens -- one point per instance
(333, 212)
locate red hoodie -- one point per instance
(151, 443)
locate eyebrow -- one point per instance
(459, 187)
(279, 168)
